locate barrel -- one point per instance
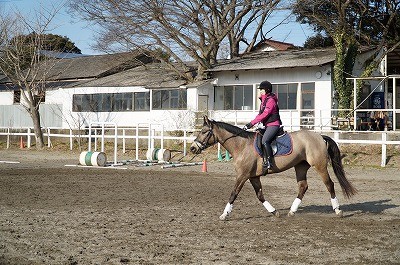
(158, 154)
(93, 159)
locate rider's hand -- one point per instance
(247, 126)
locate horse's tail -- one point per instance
(336, 160)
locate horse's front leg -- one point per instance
(237, 188)
(256, 183)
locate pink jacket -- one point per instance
(270, 102)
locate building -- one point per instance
(131, 89)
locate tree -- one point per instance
(318, 41)
(23, 64)
(351, 24)
(183, 29)
(52, 42)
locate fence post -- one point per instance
(8, 138)
(336, 137)
(28, 141)
(71, 143)
(184, 142)
(137, 142)
(384, 139)
(123, 141)
(48, 137)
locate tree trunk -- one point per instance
(346, 52)
(34, 112)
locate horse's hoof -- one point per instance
(276, 213)
(339, 213)
(290, 213)
(223, 217)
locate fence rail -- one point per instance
(150, 133)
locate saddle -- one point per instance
(281, 144)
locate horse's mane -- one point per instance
(234, 129)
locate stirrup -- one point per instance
(266, 164)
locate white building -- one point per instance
(130, 90)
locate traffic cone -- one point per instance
(227, 156)
(204, 167)
(220, 156)
(21, 144)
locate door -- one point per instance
(202, 109)
(307, 105)
(202, 103)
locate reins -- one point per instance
(205, 143)
(232, 136)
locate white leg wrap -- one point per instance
(295, 205)
(335, 203)
(228, 208)
(227, 211)
(269, 207)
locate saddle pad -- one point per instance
(281, 146)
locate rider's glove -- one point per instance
(247, 126)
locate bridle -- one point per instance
(205, 144)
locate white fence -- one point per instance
(155, 132)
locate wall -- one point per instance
(16, 116)
(321, 75)
(6, 97)
(170, 119)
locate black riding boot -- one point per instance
(267, 159)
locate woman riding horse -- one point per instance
(269, 117)
(309, 149)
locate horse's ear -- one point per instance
(206, 120)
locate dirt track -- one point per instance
(53, 214)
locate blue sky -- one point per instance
(82, 34)
(64, 24)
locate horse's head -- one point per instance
(205, 138)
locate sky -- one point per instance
(64, 24)
(83, 34)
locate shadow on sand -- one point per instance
(374, 207)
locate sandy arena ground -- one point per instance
(54, 214)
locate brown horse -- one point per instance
(309, 150)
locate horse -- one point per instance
(309, 149)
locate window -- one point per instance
(287, 95)
(307, 95)
(81, 102)
(169, 99)
(307, 103)
(122, 102)
(102, 102)
(234, 97)
(142, 101)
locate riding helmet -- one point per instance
(266, 85)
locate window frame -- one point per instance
(230, 98)
(165, 99)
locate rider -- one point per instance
(269, 116)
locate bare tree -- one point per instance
(182, 29)
(23, 64)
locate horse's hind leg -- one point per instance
(323, 171)
(301, 177)
(256, 183)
